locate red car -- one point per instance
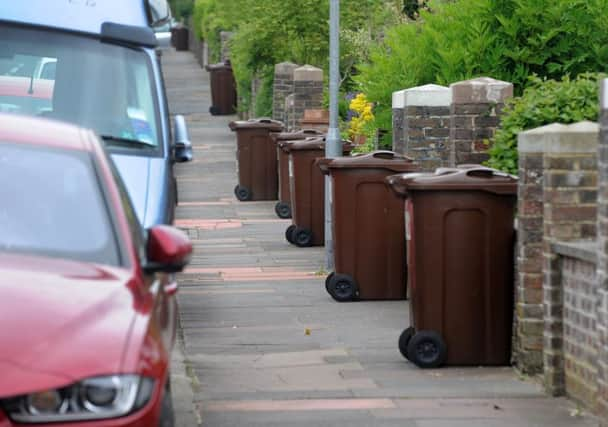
(87, 303)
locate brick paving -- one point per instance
(264, 345)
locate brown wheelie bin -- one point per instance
(368, 227)
(307, 187)
(181, 38)
(283, 206)
(460, 236)
(223, 89)
(256, 159)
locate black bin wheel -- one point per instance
(242, 193)
(283, 210)
(342, 288)
(427, 350)
(302, 237)
(289, 233)
(404, 340)
(214, 110)
(328, 279)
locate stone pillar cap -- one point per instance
(581, 137)
(308, 73)
(285, 68)
(481, 90)
(423, 96)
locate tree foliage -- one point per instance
(505, 39)
(268, 32)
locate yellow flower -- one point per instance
(363, 108)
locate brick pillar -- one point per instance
(570, 213)
(225, 37)
(426, 125)
(602, 270)
(476, 108)
(205, 54)
(527, 352)
(398, 118)
(283, 87)
(256, 84)
(307, 90)
(557, 201)
(290, 113)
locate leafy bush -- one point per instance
(504, 39)
(268, 32)
(543, 102)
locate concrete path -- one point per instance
(264, 345)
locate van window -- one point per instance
(78, 79)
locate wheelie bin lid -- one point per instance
(314, 144)
(468, 177)
(387, 160)
(261, 123)
(296, 136)
(226, 65)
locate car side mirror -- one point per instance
(183, 146)
(168, 250)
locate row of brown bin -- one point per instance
(447, 236)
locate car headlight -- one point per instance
(91, 399)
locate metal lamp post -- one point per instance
(333, 146)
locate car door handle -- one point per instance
(171, 288)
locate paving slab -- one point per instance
(264, 345)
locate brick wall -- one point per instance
(282, 88)
(557, 201)
(602, 270)
(475, 114)
(576, 271)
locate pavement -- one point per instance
(262, 344)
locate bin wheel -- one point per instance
(214, 110)
(342, 288)
(242, 193)
(427, 350)
(302, 237)
(328, 279)
(283, 210)
(404, 340)
(289, 233)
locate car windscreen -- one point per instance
(81, 80)
(53, 205)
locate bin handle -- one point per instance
(310, 132)
(482, 172)
(323, 164)
(265, 120)
(386, 154)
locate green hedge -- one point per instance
(543, 102)
(505, 39)
(268, 32)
